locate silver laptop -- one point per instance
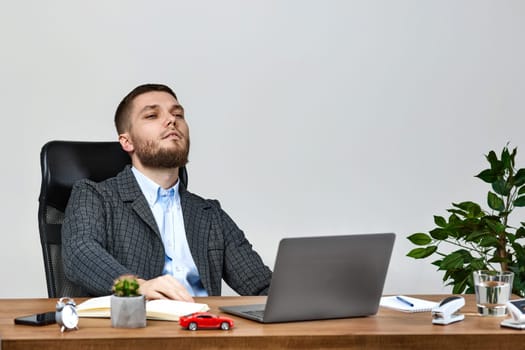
(317, 278)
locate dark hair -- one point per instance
(122, 113)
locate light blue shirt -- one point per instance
(180, 265)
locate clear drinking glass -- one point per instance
(493, 290)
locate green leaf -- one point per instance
(447, 274)
(501, 187)
(478, 264)
(475, 235)
(459, 287)
(513, 155)
(439, 234)
(461, 279)
(467, 257)
(519, 178)
(521, 190)
(506, 159)
(420, 253)
(519, 287)
(520, 233)
(452, 261)
(488, 176)
(454, 220)
(489, 241)
(420, 238)
(463, 205)
(440, 221)
(519, 202)
(519, 250)
(454, 232)
(495, 202)
(492, 158)
(461, 213)
(496, 226)
(436, 263)
(473, 209)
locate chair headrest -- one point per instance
(65, 162)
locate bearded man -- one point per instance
(144, 222)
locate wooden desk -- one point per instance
(387, 330)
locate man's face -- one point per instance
(158, 136)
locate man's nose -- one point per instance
(170, 120)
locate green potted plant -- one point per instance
(480, 239)
(128, 306)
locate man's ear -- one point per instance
(126, 143)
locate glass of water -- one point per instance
(493, 290)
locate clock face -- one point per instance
(69, 317)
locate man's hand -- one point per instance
(164, 287)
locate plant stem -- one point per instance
(502, 249)
(471, 248)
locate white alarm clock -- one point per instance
(66, 314)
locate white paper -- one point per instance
(420, 305)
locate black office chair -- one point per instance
(62, 164)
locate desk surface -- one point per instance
(388, 329)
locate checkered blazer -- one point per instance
(109, 230)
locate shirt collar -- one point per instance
(150, 189)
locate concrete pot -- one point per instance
(128, 312)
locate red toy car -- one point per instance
(205, 320)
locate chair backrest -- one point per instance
(62, 164)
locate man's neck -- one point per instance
(164, 177)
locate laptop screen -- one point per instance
(328, 277)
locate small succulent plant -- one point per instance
(126, 286)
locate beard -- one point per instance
(152, 155)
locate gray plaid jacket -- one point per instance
(109, 230)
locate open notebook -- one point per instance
(418, 305)
(164, 310)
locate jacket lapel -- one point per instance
(197, 232)
(130, 192)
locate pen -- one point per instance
(404, 301)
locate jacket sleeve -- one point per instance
(87, 262)
(244, 270)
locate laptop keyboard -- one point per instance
(255, 313)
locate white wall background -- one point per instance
(306, 117)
